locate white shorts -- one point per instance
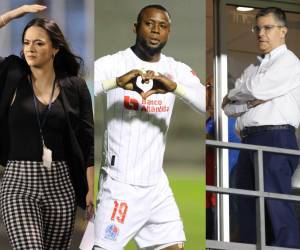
(149, 215)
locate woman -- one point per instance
(46, 137)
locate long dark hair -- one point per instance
(65, 62)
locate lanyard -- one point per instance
(42, 123)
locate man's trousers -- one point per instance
(281, 222)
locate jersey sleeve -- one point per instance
(189, 88)
(102, 72)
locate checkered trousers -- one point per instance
(37, 205)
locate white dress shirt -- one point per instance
(276, 78)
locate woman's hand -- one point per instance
(19, 12)
(89, 199)
(28, 8)
(89, 204)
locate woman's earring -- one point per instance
(53, 56)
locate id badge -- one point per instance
(47, 157)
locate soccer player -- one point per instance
(140, 83)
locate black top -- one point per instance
(25, 140)
(77, 104)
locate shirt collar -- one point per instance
(274, 53)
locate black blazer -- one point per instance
(77, 104)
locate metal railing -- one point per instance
(259, 194)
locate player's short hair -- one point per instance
(154, 6)
(278, 13)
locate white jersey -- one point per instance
(135, 134)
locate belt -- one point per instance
(256, 129)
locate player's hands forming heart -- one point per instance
(128, 80)
(146, 83)
(161, 84)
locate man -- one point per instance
(266, 98)
(135, 200)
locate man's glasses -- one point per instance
(266, 28)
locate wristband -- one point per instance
(179, 91)
(109, 84)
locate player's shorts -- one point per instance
(149, 215)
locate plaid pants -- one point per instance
(37, 205)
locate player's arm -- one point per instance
(190, 89)
(187, 87)
(102, 73)
(126, 81)
(105, 81)
(193, 95)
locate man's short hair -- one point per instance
(278, 13)
(154, 6)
